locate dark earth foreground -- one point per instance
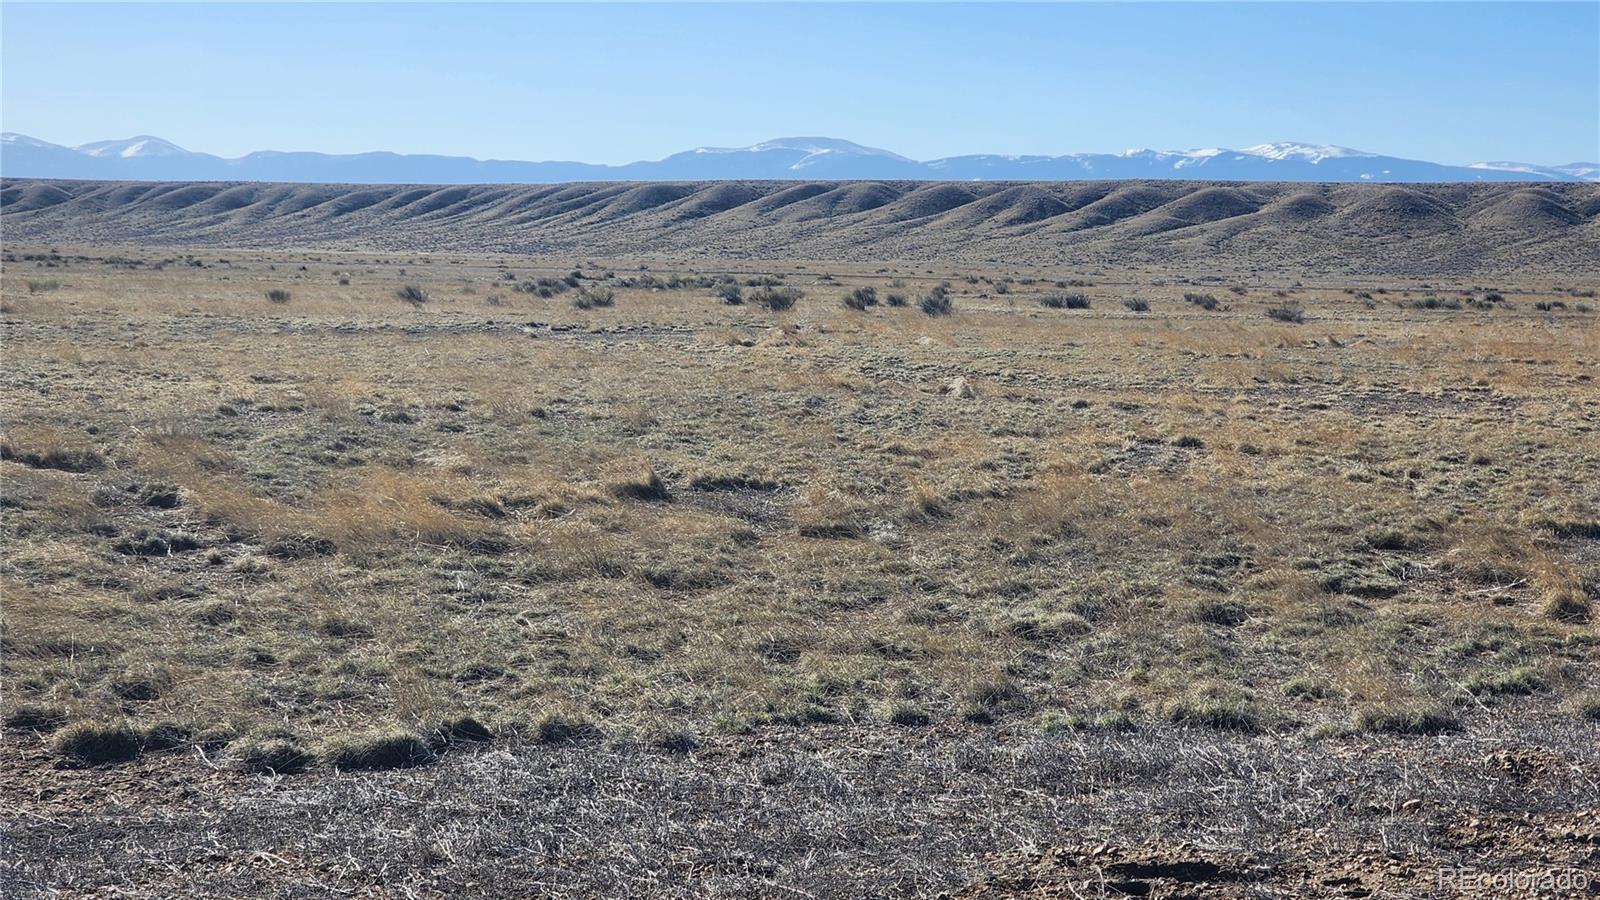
(839, 812)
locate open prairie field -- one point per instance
(411, 573)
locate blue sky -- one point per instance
(1453, 83)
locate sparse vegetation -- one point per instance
(278, 295)
(861, 299)
(389, 748)
(594, 298)
(412, 294)
(683, 536)
(93, 743)
(776, 299)
(1064, 301)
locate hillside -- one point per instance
(1313, 228)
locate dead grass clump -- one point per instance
(382, 749)
(829, 512)
(1406, 718)
(564, 728)
(907, 715)
(1521, 680)
(46, 448)
(274, 756)
(1216, 611)
(388, 507)
(1491, 554)
(34, 717)
(461, 730)
(1215, 706)
(1587, 706)
(1566, 595)
(638, 480)
(97, 743)
(984, 701)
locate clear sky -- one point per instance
(1452, 83)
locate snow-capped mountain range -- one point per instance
(147, 158)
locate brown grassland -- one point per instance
(248, 533)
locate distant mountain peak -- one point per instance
(811, 145)
(138, 145)
(1312, 153)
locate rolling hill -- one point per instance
(1335, 228)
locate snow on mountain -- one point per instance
(1312, 153)
(12, 139)
(148, 158)
(1582, 170)
(142, 145)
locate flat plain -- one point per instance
(407, 572)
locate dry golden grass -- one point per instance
(345, 512)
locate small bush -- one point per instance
(1292, 314)
(776, 299)
(278, 295)
(937, 302)
(1431, 303)
(731, 294)
(95, 743)
(861, 299)
(412, 294)
(1207, 302)
(1064, 301)
(895, 300)
(40, 287)
(594, 298)
(1137, 304)
(389, 749)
